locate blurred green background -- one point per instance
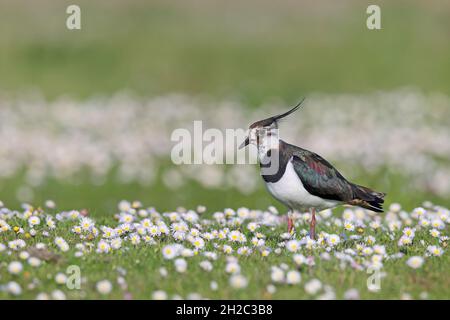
(253, 51)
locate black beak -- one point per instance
(245, 143)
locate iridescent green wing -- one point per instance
(319, 177)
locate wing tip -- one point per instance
(368, 199)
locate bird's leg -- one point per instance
(312, 225)
(290, 222)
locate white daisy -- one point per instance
(159, 295)
(60, 278)
(238, 281)
(180, 265)
(103, 247)
(232, 267)
(227, 249)
(333, 240)
(313, 286)
(277, 274)
(435, 251)
(169, 251)
(293, 277)
(34, 221)
(349, 226)
(34, 262)
(104, 287)
(15, 267)
(415, 262)
(14, 288)
(293, 245)
(198, 243)
(206, 265)
(435, 233)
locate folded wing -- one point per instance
(321, 179)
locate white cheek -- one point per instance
(270, 142)
(253, 137)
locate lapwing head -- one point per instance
(266, 127)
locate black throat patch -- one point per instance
(273, 166)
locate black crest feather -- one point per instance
(269, 121)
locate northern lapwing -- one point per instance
(302, 180)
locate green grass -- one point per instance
(102, 199)
(253, 51)
(142, 264)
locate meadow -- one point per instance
(242, 254)
(86, 177)
(181, 243)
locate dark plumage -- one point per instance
(321, 179)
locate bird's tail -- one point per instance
(367, 198)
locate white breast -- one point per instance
(290, 191)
